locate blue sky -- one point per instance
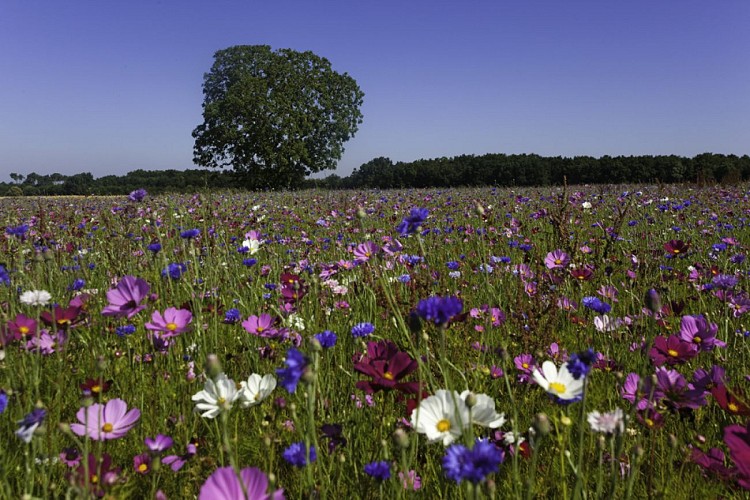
(107, 87)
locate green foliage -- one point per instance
(276, 116)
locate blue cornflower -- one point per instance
(362, 329)
(596, 304)
(270, 286)
(296, 454)
(29, 424)
(232, 316)
(580, 363)
(4, 276)
(719, 247)
(725, 281)
(404, 278)
(190, 233)
(137, 195)
(378, 470)
(439, 310)
(121, 331)
(18, 231)
(461, 463)
(327, 339)
(249, 262)
(296, 363)
(3, 401)
(154, 247)
(77, 284)
(411, 223)
(453, 265)
(174, 270)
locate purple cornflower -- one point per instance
(29, 424)
(597, 305)
(296, 364)
(17, 231)
(3, 400)
(461, 463)
(697, 330)
(378, 470)
(232, 316)
(174, 270)
(362, 330)
(154, 248)
(724, 281)
(580, 364)
(137, 195)
(123, 330)
(190, 233)
(4, 276)
(297, 455)
(439, 310)
(413, 222)
(125, 299)
(327, 339)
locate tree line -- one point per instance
(464, 170)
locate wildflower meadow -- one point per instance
(568, 342)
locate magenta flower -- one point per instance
(365, 251)
(525, 364)
(386, 365)
(172, 323)
(697, 330)
(103, 422)
(224, 484)
(262, 326)
(737, 439)
(557, 260)
(125, 299)
(672, 350)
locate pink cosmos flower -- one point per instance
(103, 422)
(125, 299)
(262, 326)
(556, 260)
(697, 330)
(365, 251)
(172, 323)
(224, 484)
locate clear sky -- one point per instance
(107, 86)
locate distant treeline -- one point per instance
(466, 170)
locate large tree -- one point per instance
(275, 116)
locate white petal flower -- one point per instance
(483, 412)
(441, 417)
(606, 324)
(608, 423)
(252, 246)
(217, 396)
(558, 383)
(256, 389)
(35, 297)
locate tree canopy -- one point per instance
(275, 116)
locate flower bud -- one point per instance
(213, 366)
(653, 301)
(471, 400)
(541, 424)
(401, 438)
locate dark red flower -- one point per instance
(386, 365)
(672, 351)
(62, 318)
(581, 273)
(730, 401)
(93, 387)
(676, 247)
(737, 439)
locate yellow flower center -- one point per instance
(697, 340)
(649, 422)
(673, 353)
(558, 261)
(142, 468)
(557, 387)
(676, 250)
(443, 425)
(221, 401)
(388, 376)
(107, 427)
(24, 330)
(733, 407)
(94, 479)
(96, 388)
(524, 365)
(63, 321)
(171, 327)
(260, 329)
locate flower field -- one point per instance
(459, 343)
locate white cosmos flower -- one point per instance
(256, 389)
(217, 396)
(35, 297)
(558, 383)
(441, 417)
(606, 324)
(608, 423)
(586, 205)
(252, 246)
(483, 412)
